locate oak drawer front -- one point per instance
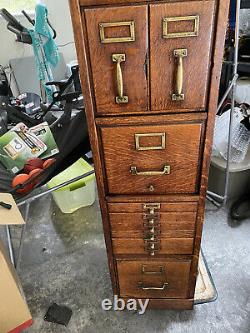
(118, 41)
(133, 225)
(180, 43)
(158, 159)
(159, 246)
(153, 279)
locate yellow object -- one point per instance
(78, 194)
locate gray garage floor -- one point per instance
(64, 261)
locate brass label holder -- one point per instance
(179, 54)
(107, 40)
(160, 272)
(143, 135)
(118, 58)
(182, 34)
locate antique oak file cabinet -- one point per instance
(150, 74)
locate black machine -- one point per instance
(65, 115)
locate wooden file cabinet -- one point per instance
(150, 75)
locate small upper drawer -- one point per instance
(180, 50)
(153, 159)
(134, 220)
(117, 39)
(153, 279)
(153, 228)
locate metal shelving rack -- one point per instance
(221, 200)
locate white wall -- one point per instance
(59, 15)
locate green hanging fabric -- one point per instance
(45, 49)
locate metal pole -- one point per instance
(231, 89)
(10, 245)
(227, 91)
(235, 70)
(20, 249)
(68, 182)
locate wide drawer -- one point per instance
(158, 159)
(154, 279)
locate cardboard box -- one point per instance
(12, 216)
(14, 312)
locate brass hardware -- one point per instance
(192, 33)
(151, 188)
(152, 253)
(143, 287)
(150, 238)
(179, 54)
(152, 218)
(145, 272)
(105, 40)
(149, 226)
(152, 244)
(160, 147)
(152, 206)
(148, 230)
(135, 172)
(160, 272)
(118, 58)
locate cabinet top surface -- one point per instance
(127, 2)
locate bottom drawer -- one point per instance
(154, 279)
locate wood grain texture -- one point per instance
(153, 198)
(196, 64)
(182, 153)
(172, 225)
(176, 275)
(80, 40)
(167, 246)
(133, 69)
(123, 2)
(136, 207)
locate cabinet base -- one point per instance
(169, 304)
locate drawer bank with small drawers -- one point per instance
(150, 75)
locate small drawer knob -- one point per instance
(152, 230)
(151, 188)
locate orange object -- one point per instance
(20, 179)
(48, 163)
(33, 163)
(33, 174)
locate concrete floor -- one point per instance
(64, 261)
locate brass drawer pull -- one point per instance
(143, 287)
(135, 172)
(160, 272)
(178, 95)
(118, 58)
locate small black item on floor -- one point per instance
(58, 314)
